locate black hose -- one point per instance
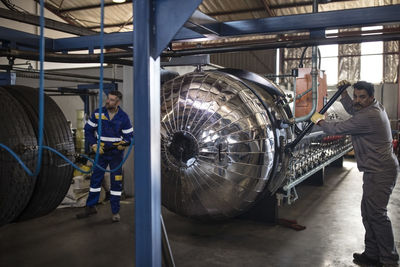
(302, 58)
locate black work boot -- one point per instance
(89, 210)
(362, 259)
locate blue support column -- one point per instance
(150, 19)
(147, 139)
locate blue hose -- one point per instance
(27, 170)
(86, 157)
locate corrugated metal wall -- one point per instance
(261, 62)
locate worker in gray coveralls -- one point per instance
(370, 131)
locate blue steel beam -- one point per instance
(20, 39)
(120, 39)
(185, 33)
(311, 21)
(169, 17)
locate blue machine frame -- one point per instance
(156, 23)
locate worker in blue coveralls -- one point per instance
(371, 135)
(116, 134)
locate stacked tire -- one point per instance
(22, 196)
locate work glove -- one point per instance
(101, 149)
(121, 145)
(343, 83)
(317, 117)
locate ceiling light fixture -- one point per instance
(119, 1)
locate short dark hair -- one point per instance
(116, 93)
(362, 85)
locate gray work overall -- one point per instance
(372, 141)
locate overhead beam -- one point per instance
(197, 20)
(110, 25)
(22, 40)
(94, 6)
(19, 39)
(266, 4)
(310, 21)
(235, 12)
(304, 3)
(119, 39)
(49, 23)
(271, 7)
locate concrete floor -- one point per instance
(331, 214)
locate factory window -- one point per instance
(372, 59)
(329, 62)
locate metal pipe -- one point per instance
(66, 94)
(283, 44)
(36, 76)
(75, 75)
(71, 91)
(113, 58)
(168, 258)
(294, 96)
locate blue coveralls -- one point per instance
(372, 141)
(112, 131)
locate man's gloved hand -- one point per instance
(343, 83)
(317, 117)
(122, 145)
(101, 149)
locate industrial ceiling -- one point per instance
(83, 18)
(118, 16)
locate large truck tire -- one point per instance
(55, 176)
(16, 132)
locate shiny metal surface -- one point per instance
(218, 145)
(223, 138)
